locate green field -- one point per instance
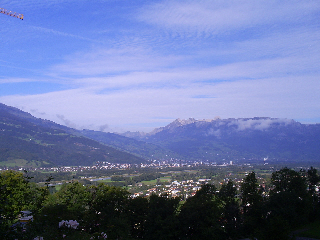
(20, 163)
(107, 181)
(153, 182)
(58, 187)
(165, 179)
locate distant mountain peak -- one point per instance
(173, 125)
(181, 122)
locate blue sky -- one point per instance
(137, 65)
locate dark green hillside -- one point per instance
(139, 148)
(25, 143)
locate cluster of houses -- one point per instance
(160, 164)
(183, 189)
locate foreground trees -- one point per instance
(209, 214)
(17, 194)
(251, 204)
(230, 209)
(201, 215)
(289, 198)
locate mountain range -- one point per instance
(231, 139)
(24, 138)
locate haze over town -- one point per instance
(117, 66)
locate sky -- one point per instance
(119, 65)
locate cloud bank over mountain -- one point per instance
(258, 124)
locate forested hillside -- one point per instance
(28, 141)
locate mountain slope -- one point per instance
(32, 141)
(136, 147)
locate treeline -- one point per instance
(151, 174)
(271, 211)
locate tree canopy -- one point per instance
(211, 213)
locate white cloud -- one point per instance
(258, 124)
(279, 97)
(112, 61)
(16, 80)
(216, 133)
(182, 76)
(223, 16)
(66, 122)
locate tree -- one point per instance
(17, 194)
(200, 216)
(161, 220)
(231, 211)
(14, 197)
(251, 203)
(288, 180)
(137, 214)
(75, 197)
(39, 195)
(69, 203)
(312, 180)
(108, 213)
(289, 198)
